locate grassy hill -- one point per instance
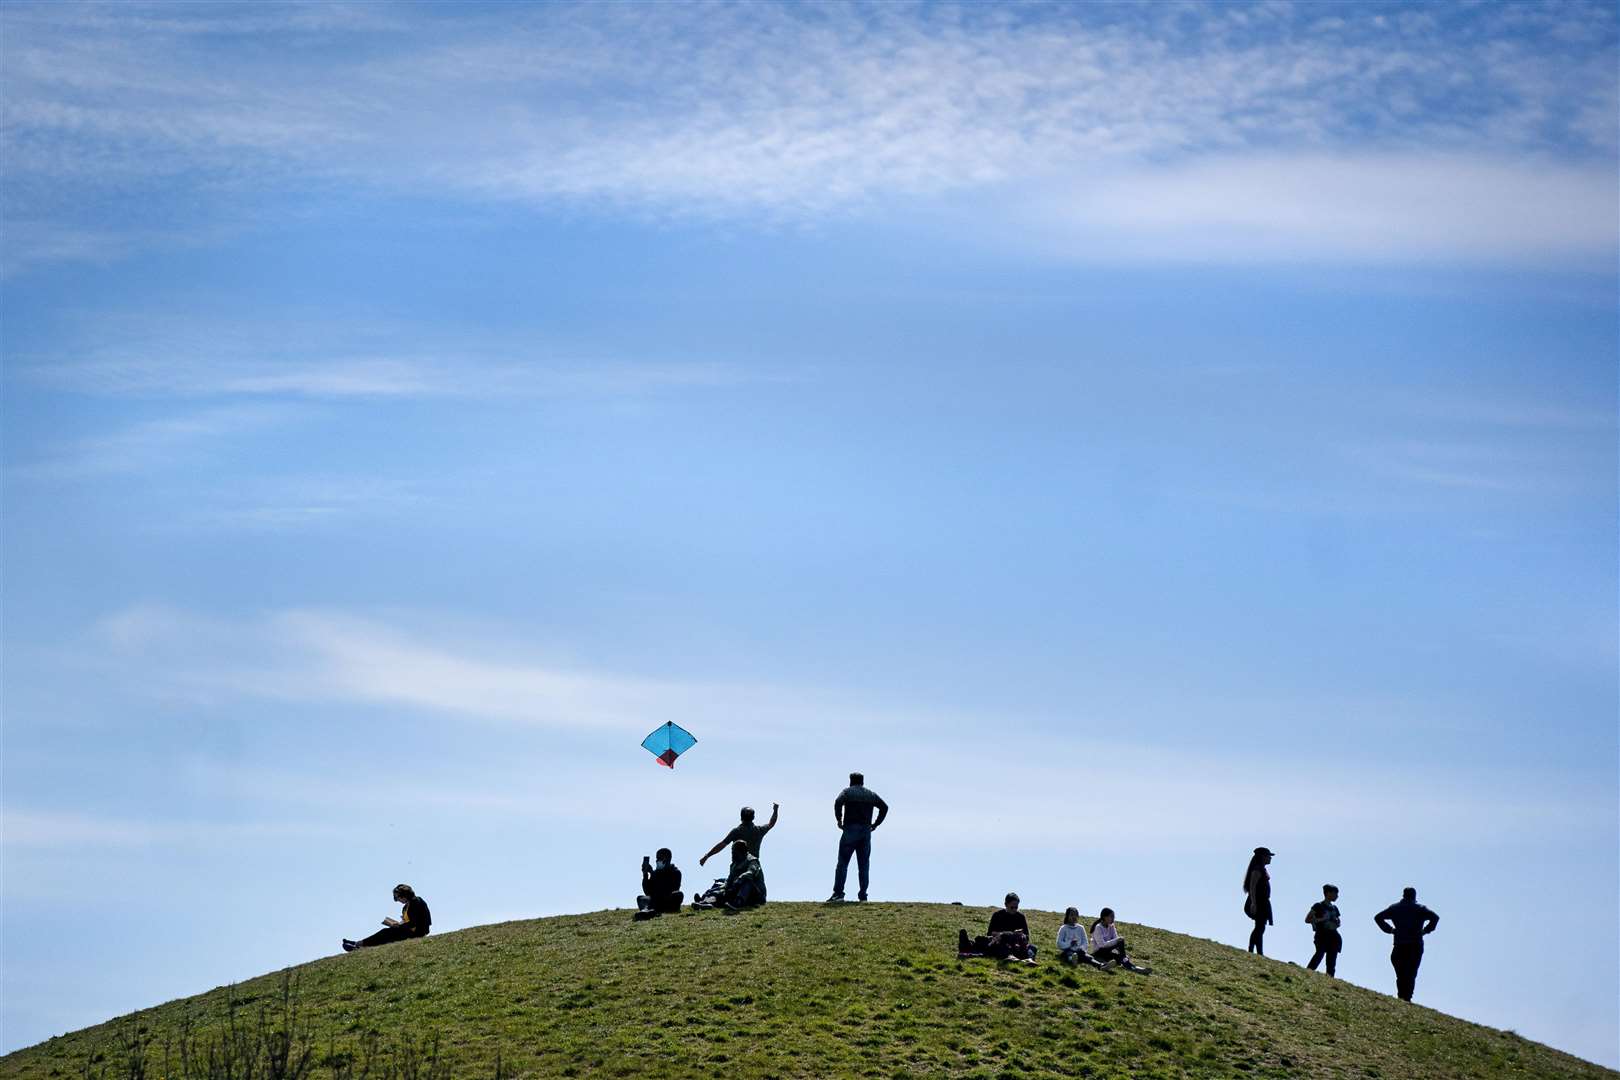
(793, 990)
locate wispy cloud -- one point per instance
(1368, 208)
(331, 656)
(145, 444)
(796, 113)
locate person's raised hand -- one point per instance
(702, 859)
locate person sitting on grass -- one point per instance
(1073, 947)
(414, 921)
(745, 885)
(660, 886)
(1006, 939)
(1107, 947)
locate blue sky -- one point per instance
(1129, 434)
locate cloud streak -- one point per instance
(795, 114)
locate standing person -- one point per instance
(746, 831)
(1409, 921)
(853, 812)
(1324, 920)
(414, 921)
(1257, 898)
(660, 886)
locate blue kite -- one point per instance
(668, 742)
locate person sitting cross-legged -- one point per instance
(414, 921)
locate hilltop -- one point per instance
(793, 990)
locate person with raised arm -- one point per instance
(747, 831)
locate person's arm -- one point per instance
(724, 840)
(883, 809)
(1382, 919)
(1430, 921)
(838, 810)
(646, 877)
(776, 808)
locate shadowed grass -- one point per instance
(805, 990)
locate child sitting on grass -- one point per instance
(1071, 941)
(1107, 947)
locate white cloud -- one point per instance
(144, 445)
(1356, 208)
(50, 830)
(797, 113)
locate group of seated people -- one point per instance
(1007, 938)
(742, 887)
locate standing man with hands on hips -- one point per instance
(852, 810)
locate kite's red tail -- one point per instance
(667, 759)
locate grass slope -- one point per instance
(803, 990)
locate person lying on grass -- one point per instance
(1073, 947)
(660, 886)
(1107, 947)
(1006, 939)
(414, 921)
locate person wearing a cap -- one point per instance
(746, 831)
(1257, 898)
(1410, 922)
(1324, 920)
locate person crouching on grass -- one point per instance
(414, 921)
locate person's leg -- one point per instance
(863, 858)
(1114, 952)
(1257, 936)
(1334, 944)
(1405, 959)
(846, 848)
(385, 936)
(668, 904)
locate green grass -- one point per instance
(803, 990)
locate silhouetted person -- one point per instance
(660, 886)
(746, 831)
(414, 921)
(1257, 899)
(1409, 921)
(853, 812)
(1324, 920)
(1006, 939)
(745, 884)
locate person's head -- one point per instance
(746, 813)
(403, 893)
(857, 779)
(664, 856)
(1071, 916)
(1330, 892)
(1409, 893)
(739, 850)
(1011, 901)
